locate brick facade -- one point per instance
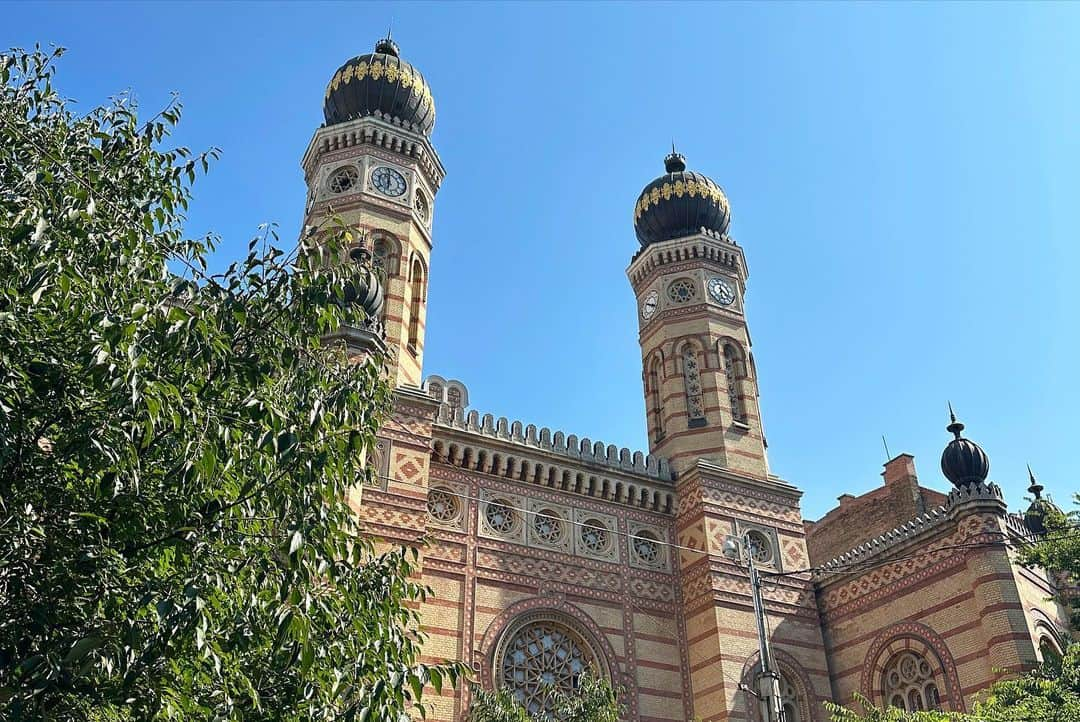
(620, 554)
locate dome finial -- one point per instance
(387, 46)
(675, 162)
(954, 427)
(1035, 488)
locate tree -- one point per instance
(176, 448)
(594, 700)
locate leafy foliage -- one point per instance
(177, 451)
(889, 714)
(595, 700)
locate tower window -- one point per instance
(735, 371)
(654, 399)
(695, 402)
(415, 303)
(385, 256)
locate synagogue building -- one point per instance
(552, 552)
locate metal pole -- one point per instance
(769, 679)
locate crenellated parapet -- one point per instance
(983, 497)
(524, 452)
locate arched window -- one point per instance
(415, 301)
(695, 403)
(908, 683)
(386, 254)
(789, 700)
(735, 370)
(1049, 650)
(542, 655)
(656, 409)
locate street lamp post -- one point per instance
(768, 679)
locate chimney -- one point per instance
(900, 477)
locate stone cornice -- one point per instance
(380, 133)
(706, 247)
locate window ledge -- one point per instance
(740, 426)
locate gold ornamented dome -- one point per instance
(380, 84)
(680, 203)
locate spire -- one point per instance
(954, 427)
(1035, 488)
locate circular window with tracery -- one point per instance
(646, 547)
(343, 179)
(682, 290)
(759, 546)
(443, 505)
(595, 536)
(548, 527)
(500, 516)
(542, 658)
(909, 683)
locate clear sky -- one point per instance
(904, 180)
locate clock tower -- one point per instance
(372, 164)
(701, 394)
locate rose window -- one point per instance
(343, 179)
(909, 684)
(682, 291)
(646, 548)
(548, 527)
(443, 505)
(759, 547)
(540, 659)
(595, 536)
(500, 517)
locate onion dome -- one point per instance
(963, 461)
(1035, 516)
(364, 289)
(680, 203)
(380, 82)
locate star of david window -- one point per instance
(548, 527)
(539, 659)
(443, 505)
(500, 517)
(595, 536)
(645, 547)
(342, 179)
(682, 290)
(759, 546)
(908, 683)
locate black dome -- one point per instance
(963, 461)
(1035, 516)
(380, 82)
(679, 203)
(364, 289)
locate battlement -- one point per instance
(453, 413)
(970, 494)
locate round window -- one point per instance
(342, 179)
(759, 546)
(595, 536)
(548, 527)
(443, 505)
(500, 516)
(682, 290)
(542, 658)
(646, 547)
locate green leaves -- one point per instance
(176, 448)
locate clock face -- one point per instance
(648, 306)
(388, 181)
(721, 291)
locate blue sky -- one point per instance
(903, 178)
